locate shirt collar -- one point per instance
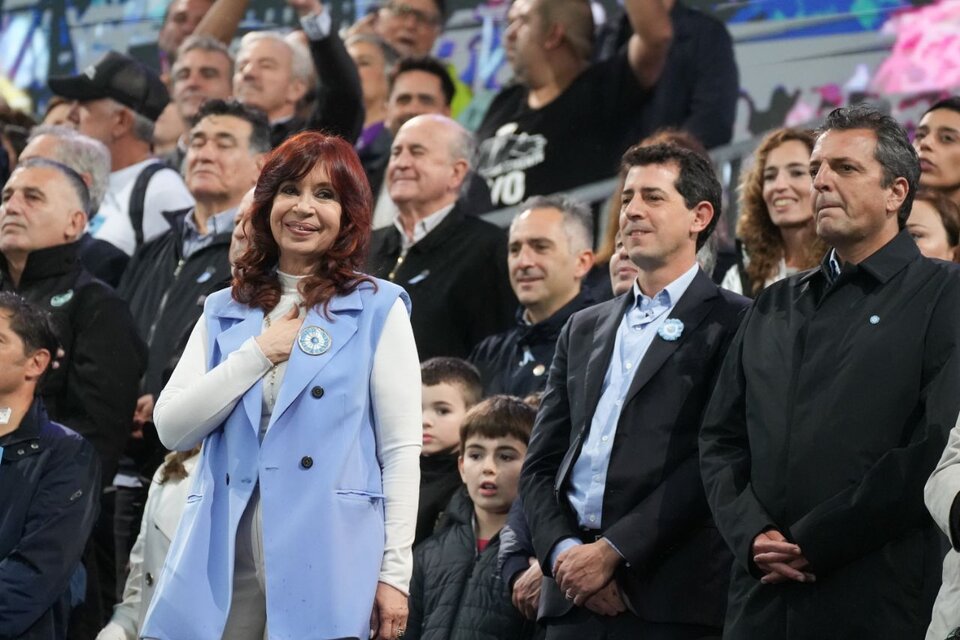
(422, 227)
(218, 223)
(670, 293)
(882, 265)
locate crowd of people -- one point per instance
(267, 372)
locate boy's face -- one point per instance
(443, 411)
(490, 467)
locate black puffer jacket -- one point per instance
(456, 593)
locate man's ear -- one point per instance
(461, 169)
(585, 260)
(702, 215)
(460, 468)
(122, 123)
(37, 363)
(296, 90)
(76, 225)
(555, 36)
(896, 195)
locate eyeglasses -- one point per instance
(403, 11)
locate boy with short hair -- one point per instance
(455, 592)
(450, 387)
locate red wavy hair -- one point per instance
(336, 272)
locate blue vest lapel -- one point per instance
(229, 340)
(302, 367)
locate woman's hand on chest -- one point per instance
(277, 340)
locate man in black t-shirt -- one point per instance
(566, 122)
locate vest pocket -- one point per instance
(359, 494)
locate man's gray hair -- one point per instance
(206, 43)
(143, 126)
(577, 218)
(464, 145)
(301, 65)
(390, 55)
(83, 154)
(73, 178)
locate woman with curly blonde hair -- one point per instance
(776, 230)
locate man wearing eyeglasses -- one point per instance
(412, 28)
(409, 26)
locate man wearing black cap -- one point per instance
(117, 101)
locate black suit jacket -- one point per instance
(457, 280)
(654, 510)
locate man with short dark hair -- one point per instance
(611, 487)
(94, 390)
(179, 21)
(49, 483)
(452, 265)
(117, 101)
(417, 86)
(410, 26)
(203, 71)
(420, 86)
(549, 251)
(832, 410)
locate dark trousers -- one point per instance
(88, 619)
(126, 528)
(582, 624)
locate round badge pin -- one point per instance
(314, 341)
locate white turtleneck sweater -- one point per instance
(196, 401)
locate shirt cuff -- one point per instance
(614, 547)
(560, 547)
(317, 25)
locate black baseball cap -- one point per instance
(118, 77)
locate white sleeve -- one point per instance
(944, 484)
(126, 615)
(165, 192)
(395, 389)
(196, 401)
(731, 280)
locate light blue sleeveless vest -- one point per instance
(320, 485)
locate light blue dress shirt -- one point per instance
(194, 241)
(638, 328)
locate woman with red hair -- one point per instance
(303, 384)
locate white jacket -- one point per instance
(939, 494)
(161, 515)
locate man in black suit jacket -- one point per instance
(611, 485)
(453, 266)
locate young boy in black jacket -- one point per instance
(450, 387)
(455, 593)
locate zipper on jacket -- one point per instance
(393, 272)
(163, 301)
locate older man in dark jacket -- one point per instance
(49, 484)
(452, 265)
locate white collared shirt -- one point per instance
(422, 227)
(165, 192)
